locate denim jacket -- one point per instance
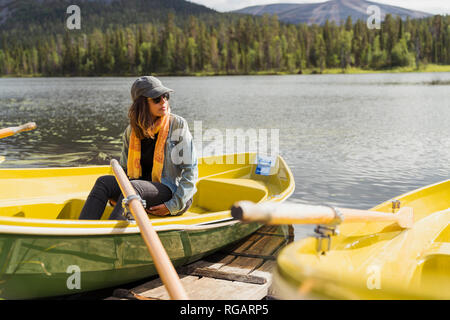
(180, 169)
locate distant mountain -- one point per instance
(19, 14)
(334, 10)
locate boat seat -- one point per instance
(215, 194)
(45, 207)
(438, 249)
(436, 263)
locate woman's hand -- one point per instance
(159, 210)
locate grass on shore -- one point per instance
(424, 68)
(355, 70)
(350, 70)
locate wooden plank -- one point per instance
(218, 260)
(266, 245)
(226, 274)
(269, 230)
(243, 245)
(286, 232)
(261, 245)
(239, 268)
(242, 265)
(265, 272)
(256, 256)
(217, 289)
(156, 290)
(232, 270)
(277, 251)
(203, 289)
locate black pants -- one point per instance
(106, 187)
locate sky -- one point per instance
(430, 6)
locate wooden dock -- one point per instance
(242, 271)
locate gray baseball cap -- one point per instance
(148, 86)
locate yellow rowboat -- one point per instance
(376, 260)
(46, 251)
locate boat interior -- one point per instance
(60, 193)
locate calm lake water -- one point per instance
(350, 140)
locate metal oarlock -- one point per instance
(395, 205)
(126, 209)
(323, 232)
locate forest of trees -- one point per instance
(242, 45)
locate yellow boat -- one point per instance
(376, 260)
(44, 248)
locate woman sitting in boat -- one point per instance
(161, 175)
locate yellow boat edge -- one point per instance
(419, 257)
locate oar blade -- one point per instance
(29, 126)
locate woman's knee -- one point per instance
(105, 187)
(105, 181)
(138, 187)
(153, 192)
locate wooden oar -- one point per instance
(162, 261)
(293, 213)
(6, 132)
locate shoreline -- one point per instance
(429, 68)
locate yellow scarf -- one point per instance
(134, 170)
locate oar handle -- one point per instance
(293, 213)
(162, 261)
(6, 132)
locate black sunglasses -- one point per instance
(158, 99)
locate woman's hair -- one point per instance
(140, 117)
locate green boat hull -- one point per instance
(38, 266)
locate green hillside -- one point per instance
(27, 18)
(179, 38)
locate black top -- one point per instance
(147, 152)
